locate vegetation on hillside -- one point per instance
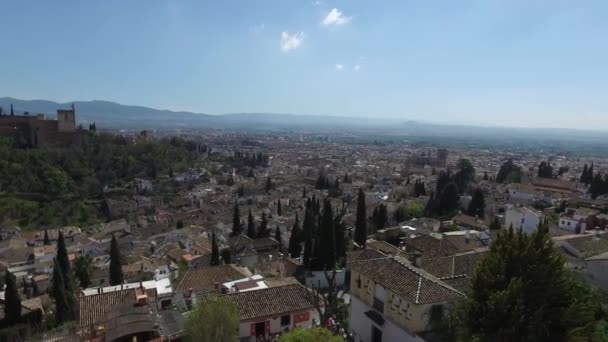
(57, 187)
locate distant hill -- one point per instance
(117, 116)
(114, 115)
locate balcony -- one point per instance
(378, 305)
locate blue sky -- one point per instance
(515, 63)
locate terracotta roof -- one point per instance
(463, 244)
(276, 282)
(455, 265)
(95, 308)
(461, 283)
(407, 281)
(271, 302)
(204, 280)
(430, 247)
(470, 221)
(384, 247)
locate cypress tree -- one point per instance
(268, 184)
(361, 220)
(583, 178)
(277, 236)
(309, 231)
(295, 249)
(263, 228)
(64, 263)
(179, 224)
(116, 276)
(495, 225)
(215, 252)
(450, 199)
(279, 211)
(63, 309)
(485, 176)
(12, 112)
(226, 256)
(236, 220)
(47, 241)
(477, 206)
(327, 238)
(250, 226)
(12, 301)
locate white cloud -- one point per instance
(291, 41)
(357, 67)
(339, 66)
(335, 17)
(317, 3)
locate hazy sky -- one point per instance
(516, 63)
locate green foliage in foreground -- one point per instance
(521, 291)
(214, 320)
(58, 187)
(310, 335)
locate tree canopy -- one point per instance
(310, 335)
(361, 220)
(214, 320)
(116, 276)
(521, 292)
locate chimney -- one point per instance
(141, 298)
(467, 235)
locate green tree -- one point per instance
(64, 309)
(215, 252)
(83, 270)
(226, 256)
(414, 210)
(116, 276)
(277, 236)
(12, 301)
(509, 172)
(450, 199)
(263, 228)
(495, 224)
(477, 206)
(179, 224)
(250, 226)
(465, 174)
(279, 209)
(64, 263)
(47, 241)
(268, 184)
(214, 320)
(327, 238)
(521, 292)
(361, 220)
(295, 247)
(545, 170)
(380, 217)
(236, 221)
(310, 335)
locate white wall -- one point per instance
(361, 326)
(275, 324)
(516, 216)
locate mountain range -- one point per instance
(111, 115)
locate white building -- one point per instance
(524, 218)
(391, 300)
(291, 308)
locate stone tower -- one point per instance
(66, 119)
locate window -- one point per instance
(359, 282)
(523, 220)
(285, 320)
